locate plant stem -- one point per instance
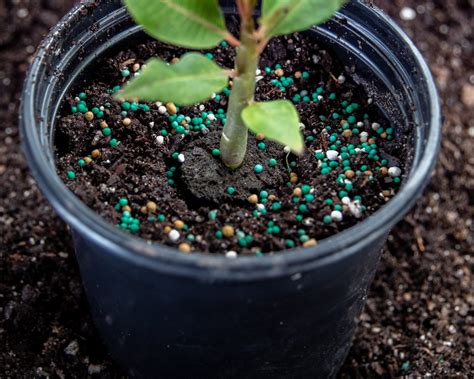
(235, 134)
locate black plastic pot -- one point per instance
(293, 314)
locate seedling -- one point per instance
(200, 24)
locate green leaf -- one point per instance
(277, 120)
(193, 79)
(281, 17)
(194, 24)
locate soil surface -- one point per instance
(176, 190)
(418, 319)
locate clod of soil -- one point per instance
(207, 178)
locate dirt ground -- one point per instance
(418, 319)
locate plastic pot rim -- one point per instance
(160, 257)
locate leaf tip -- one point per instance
(298, 147)
(299, 150)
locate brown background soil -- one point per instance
(418, 319)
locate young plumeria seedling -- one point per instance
(200, 24)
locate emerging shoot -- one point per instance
(200, 24)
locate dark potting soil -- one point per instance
(120, 156)
(418, 319)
